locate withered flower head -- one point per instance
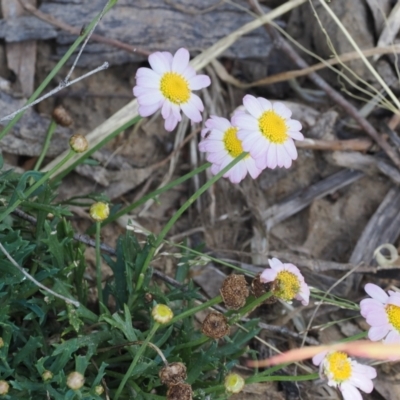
(4, 387)
(61, 116)
(234, 291)
(259, 288)
(173, 373)
(215, 325)
(75, 380)
(78, 143)
(180, 391)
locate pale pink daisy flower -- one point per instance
(221, 144)
(168, 85)
(345, 374)
(288, 282)
(382, 312)
(267, 132)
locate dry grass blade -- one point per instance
(128, 112)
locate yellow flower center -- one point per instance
(234, 383)
(273, 127)
(232, 144)
(162, 313)
(287, 285)
(175, 88)
(393, 313)
(339, 366)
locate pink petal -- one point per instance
(148, 82)
(244, 121)
(147, 73)
(317, 359)
(170, 123)
(376, 292)
(296, 135)
(275, 264)
(153, 96)
(145, 111)
(291, 149)
(376, 333)
(196, 102)
(349, 392)
(392, 338)
(268, 275)
(272, 156)
(365, 370)
(251, 167)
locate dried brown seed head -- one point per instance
(4, 387)
(61, 116)
(215, 325)
(259, 288)
(173, 373)
(180, 391)
(75, 380)
(234, 291)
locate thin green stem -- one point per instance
(153, 194)
(135, 360)
(98, 265)
(249, 307)
(40, 182)
(194, 310)
(176, 216)
(49, 135)
(284, 378)
(83, 156)
(55, 70)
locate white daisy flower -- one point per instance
(267, 132)
(287, 281)
(168, 85)
(346, 374)
(222, 146)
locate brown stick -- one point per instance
(329, 90)
(336, 145)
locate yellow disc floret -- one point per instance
(234, 383)
(273, 127)
(232, 144)
(162, 313)
(287, 285)
(175, 88)
(393, 313)
(338, 366)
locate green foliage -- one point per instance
(44, 333)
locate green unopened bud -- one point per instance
(1, 342)
(78, 143)
(99, 211)
(75, 380)
(4, 387)
(234, 383)
(162, 314)
(47, 375)
(99, 390)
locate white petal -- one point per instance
(282, 110)
(170, 123)
(251, 167)
(265, 104)
(147, 82)
(147, 73)
(199, 82)
(159, 63)
(252, 106)
(377, 333)
(296, 135)
(349, 392)
(166, 109)
(196, 101)
(245, 121)
(145, 111)
(191, 111)
(272, 156)
(180, 60)
(376, 292)
(291, 149)
(293, 125)
(275, 264)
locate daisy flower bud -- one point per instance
(215, 325)
(4, 388)
(99, 390)
(180, 391)
(168, 86)
(234, 383)
(75, 380)
(220, 142)
(162, 314)
(99, 211)
(382, 312)
(47, 375)
(267, 132)
(78, 143)
(234, 291)
(173, 373)
(287, 282)
(345, 374)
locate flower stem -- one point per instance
(176, 216)
(49, 135)
(98, 265)
(153, 194)
(249, 307)
(135, 360)
(34, 187)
